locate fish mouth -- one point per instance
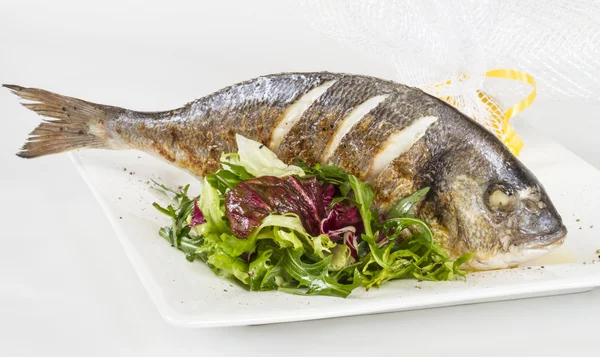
(521, 251)
(541, 241)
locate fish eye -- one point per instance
(500, 197)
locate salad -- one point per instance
(300, 229)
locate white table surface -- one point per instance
(66, 286)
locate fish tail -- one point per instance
(78, 124)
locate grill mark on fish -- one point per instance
(295, 112)
(366, 139)
(251, 109)
(349, 121)
(400, 177)
(311, 135)
(399, 142)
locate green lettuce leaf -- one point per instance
(340, 257)
(228, 266)
(231, 162)
(288, 232)
(287, 239)
(258, 160)
(210, 205)
(321, 245)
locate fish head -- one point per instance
(490, 204)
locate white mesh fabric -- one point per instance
(446, 47)
(430, 42)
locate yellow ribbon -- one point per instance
(512, 140)
(506, 132)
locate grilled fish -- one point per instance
(397, 138)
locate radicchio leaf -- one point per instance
(341, 216)
(254, 199)
(329, 192)
(197, 216)
(343, 222)
(351, 240)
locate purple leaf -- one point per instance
(341, 216)
(329, 192)
(254, 199)
(351, 240)
(343, 222)
(197, 216)
(338, 234)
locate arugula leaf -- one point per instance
(223, 180)
(462, 260)
(258, 269)
(326, 173)
(405, 205)
(315, 276)
(189, 246)
(169, 211)
(393, 227)
(363, 249)
(277, 278)
(363, 195)
(337, 200)
(179, 216)
(178, 194)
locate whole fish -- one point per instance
(397, 138)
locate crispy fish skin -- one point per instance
(309, 138)
(482, 199)
(195, 136)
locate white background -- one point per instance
(66, 286)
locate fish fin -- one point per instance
(79, 124)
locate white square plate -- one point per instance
(189, 294)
